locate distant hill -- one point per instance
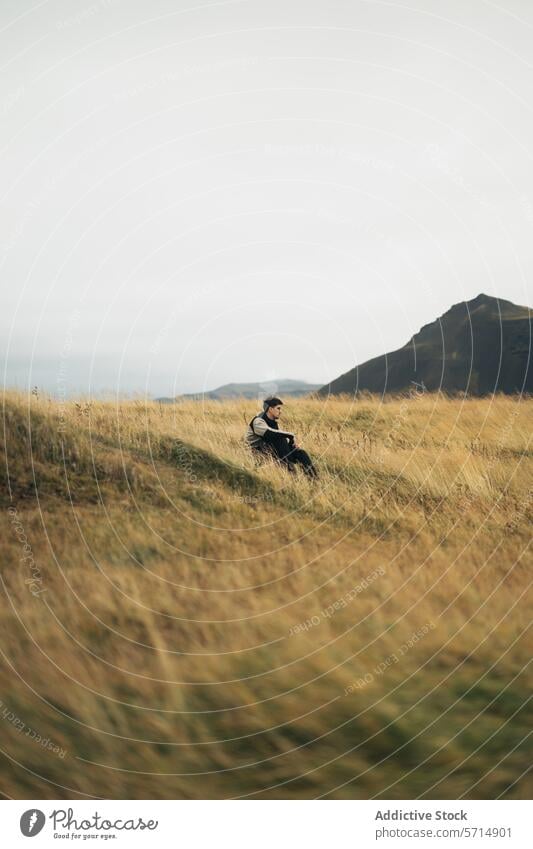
(294, 388)
(478, 347)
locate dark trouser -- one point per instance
(282, 451)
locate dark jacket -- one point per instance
(262, 430)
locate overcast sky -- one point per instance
(200, 193)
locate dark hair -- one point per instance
(271, 402)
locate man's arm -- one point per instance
(261, 428)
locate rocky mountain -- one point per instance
(477, 347)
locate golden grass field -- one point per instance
(179, 623)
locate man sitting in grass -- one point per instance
(264, 435)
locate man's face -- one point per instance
(275, 412)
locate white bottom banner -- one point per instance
(267, 824)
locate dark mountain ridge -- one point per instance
(476, 347)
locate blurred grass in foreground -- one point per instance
(183, 624)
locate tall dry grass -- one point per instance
(179, 622)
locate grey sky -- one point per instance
(194, 194)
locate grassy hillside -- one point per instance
(179, 623)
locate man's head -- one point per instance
(272, 407)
